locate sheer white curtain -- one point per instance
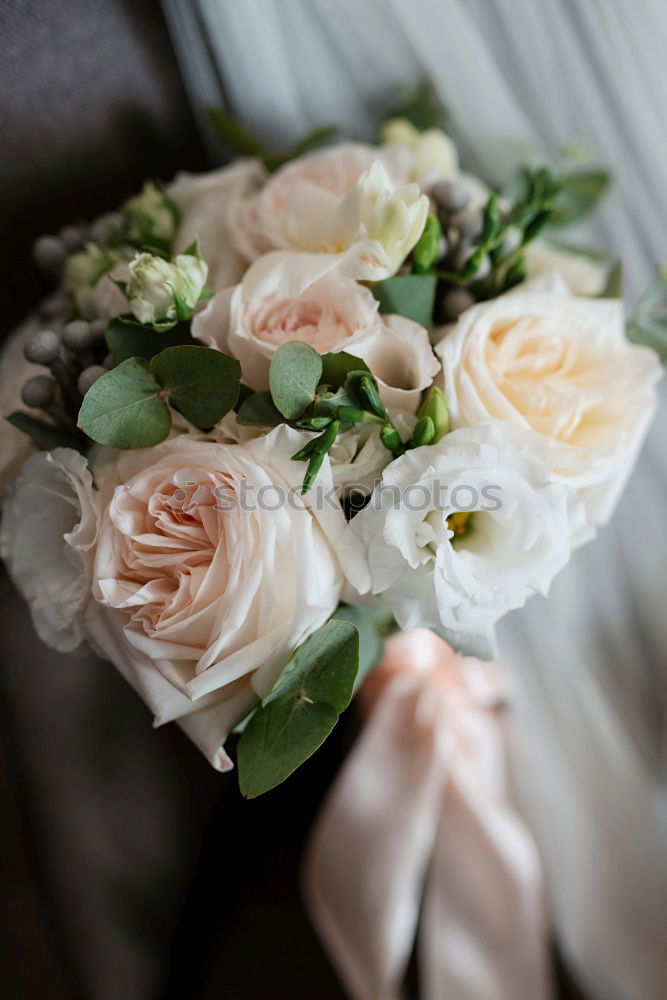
(589, 664)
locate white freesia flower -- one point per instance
(358, 456)
(155, 284)
(434, 155)
(210, 569)
(205, 201)
(561, 366)
(251, 321)
(514, 530)
(582, 274)
(87, 280)
(49, 526)
(351, 202)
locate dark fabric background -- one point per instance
(131, 870)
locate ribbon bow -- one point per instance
(420, 821)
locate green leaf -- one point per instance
(336, 368)
(422, 108)
(648, 324)
(130, 340)
(123, 408)
(203, 384)
(295, 718)
(613, 288)
(258, 410)
(47, 436)
(294, 376)
(371, 625)
(409, 295)
(579, 194)
(234, 134)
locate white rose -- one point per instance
(87, 280)
(561, 366)
(513, 536)
(251, 321)
(582, 274)
(155, 284)
(434, 155)
(205, 201)
(209, 573)
(49, 526)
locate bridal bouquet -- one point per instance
(288, 406)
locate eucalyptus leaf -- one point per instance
(294, 376)
(47, 436)
(295, 718)
(131, 340)
(370, 624)
(579, 194)
(613, 288)
(409, 295)
(336, 367)
(648, 324)
(124, 409)
(203, 384)
(259, 410)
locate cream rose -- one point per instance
(251, 321)
(205, 201)
(210, 569)
(156, 284)
(582, 274)
(461, 532)
(49, 526)
(561, 366)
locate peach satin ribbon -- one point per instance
(420, 821)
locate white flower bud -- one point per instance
(159, 288)
(393, 217)
(150, 216)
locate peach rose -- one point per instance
(251, 321)
(208, 574)
(561, 366)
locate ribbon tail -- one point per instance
(368, 854)
(483, 934)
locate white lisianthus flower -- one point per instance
(87, 280)
(460, 532)
(149, 216)
(434, 155)
(210, 569)
(251, 321)
(156, 284)
(205, 202)
(582, 274)
(561, 366)
(49, 527)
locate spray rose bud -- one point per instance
(163, 292)
(151, 217)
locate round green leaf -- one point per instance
(294, 376)
(123, 408)
(298, 714)
(203, 384)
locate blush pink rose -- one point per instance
(208, 574)
(251, 321)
